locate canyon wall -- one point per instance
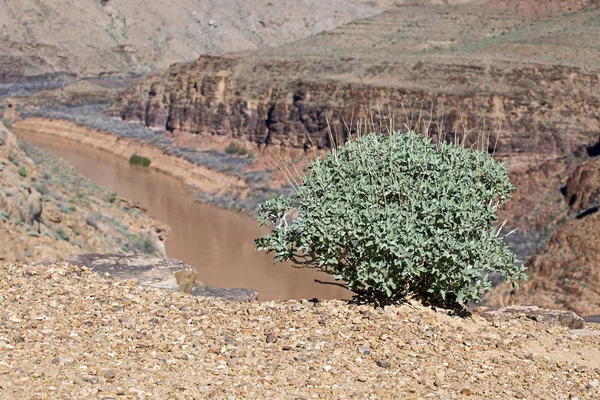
(540, 111)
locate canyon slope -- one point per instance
(92, 37)
(528, 72)
(532, 74)
(49, 211)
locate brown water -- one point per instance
(219, 243)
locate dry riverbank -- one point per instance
(201, 177)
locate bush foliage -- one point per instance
(396, 216)
(139, 160)
(237, 149)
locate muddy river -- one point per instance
(219, 243)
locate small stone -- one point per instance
(110, 374)
(362, 378)
(466, 391)
(287, 347)
(364, 350)
(186, 279)
(440, 377)
(385, 363)
(271, 338)
(325, 375)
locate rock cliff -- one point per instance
(564, 273)
(290, 95)
(219, 96)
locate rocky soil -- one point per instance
(66, 332)
(48, 210)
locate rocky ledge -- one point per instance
(69, 332)
(155, 272)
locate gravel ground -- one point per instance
(68, 333)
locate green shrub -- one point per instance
(397, 216)
(111, 197)
(61, 234)
(143, 244)
(237, 149)
(23, 172)
(139, 161)
(13, 159)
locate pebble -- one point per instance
(271, 338)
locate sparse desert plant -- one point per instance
(396, 216)
(140, 161)
(23, 172)
(111, 197)
(142, 244)
(90, 220)
(237, 149)
(13, 159)
(41, 187)
(62, 235)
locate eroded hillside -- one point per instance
(124, 36)
(48, 210)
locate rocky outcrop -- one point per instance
(560, 200)
(217, 96)
(582, 191)
(149, 271)
(567, 319)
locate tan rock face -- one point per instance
(559, 198)
(48, 210)
(583, 187)
(215, 96)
